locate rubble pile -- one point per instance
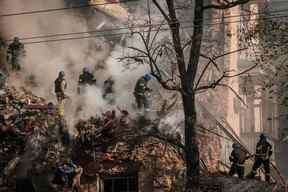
(10, 145)
(162, 160)
(232, 184)
(27, 124)
(114, 144)
(98, 134)
(209, 150)
(111, 144)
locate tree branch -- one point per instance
(243, 72)
(230, 52)
(212, 85)
(138, 50)
(149, 22)
(161, 10)
(167, 84)
(195, 47)
(217, 83)
(156, 33)
(176, 39)
(236, 94)
(212, 60)
(205, 69)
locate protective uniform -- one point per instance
(15, 52)
(140, 92)
(262, 156)
(108, 90)
(238, 157)
(2, 43)
(86, 78)
(60, 86)
(67, 174)
(61, 110)
(3, 78)
(51, 119)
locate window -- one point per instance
(121, 184)
(257, 115)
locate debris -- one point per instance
(28, 124)
(113, 144)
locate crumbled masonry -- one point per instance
(113, 143)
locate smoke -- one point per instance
(172, 123)
(101, 55)
(43, 61)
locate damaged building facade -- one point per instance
(251, 111)
(116, 151)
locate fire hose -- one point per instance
(282, 180)
(236, 139)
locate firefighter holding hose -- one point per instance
(262, 157)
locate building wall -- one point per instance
(231, 61)
(260, 114)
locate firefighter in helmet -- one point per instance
(2, 43)
(262, 157)
(85, 78)
(15, 53)
(238, 157)
(140, 92)
(108, 90)
(68, 175)
(60, 86)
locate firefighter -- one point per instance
(60, 86)
(51, 120)
(68, 175)
(15, 53)
(85, 78)
(3, 79)
(238, 157)
(262, 156)
(2, 43)
(108, 90)
(140, 92)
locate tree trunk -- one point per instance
(191, 147)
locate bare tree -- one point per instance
(174, 62)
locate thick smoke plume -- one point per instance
(45, 60)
